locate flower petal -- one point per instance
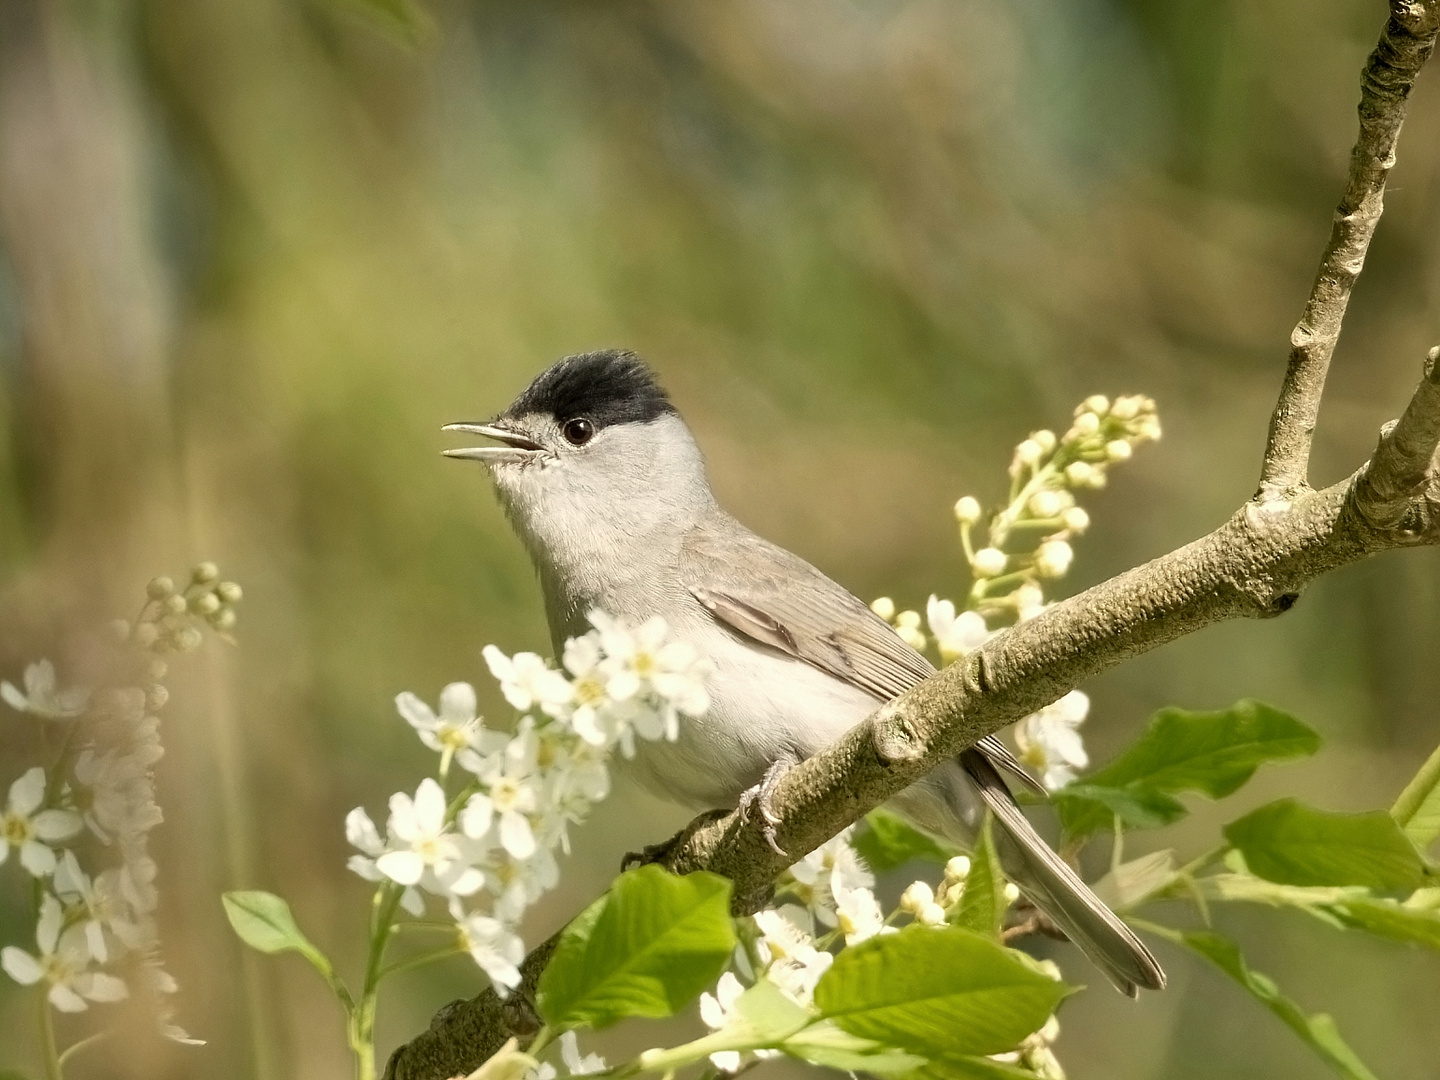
(430, 806)
(66, 1000)
(416, 713)
(403, 867)
(27, 793)
(38, 859)
(21, 966)
(516, 836)
(55, 825)
(457, 703)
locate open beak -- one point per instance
(518, 446)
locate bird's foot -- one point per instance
(758, 800)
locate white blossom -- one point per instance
(493, 946)
(63, 962)
(858, 914)
(1049, 740)
(42, 696)
(512, 785)
(360, 831)
(117, 795)
(527, 681)
(823, 874)
(456, 728)
(794, 963)
(30, 833)
(715, 1010)
(955, 634)
(421, 849)
(588, 1065)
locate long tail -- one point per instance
(1046, 879)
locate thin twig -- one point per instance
(1405, 45)
(1404, 459)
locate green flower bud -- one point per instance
(174, 604)
(884, 607)
(1098, 404)
(204, 573)
(159, 588)
(205, 603)
(229, 592)
(1044, 439)
(1118, 450)
(224, 619)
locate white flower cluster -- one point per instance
(832, 905)
(1028, 543)
(1049, 741)
(496, 836)
(95, 934)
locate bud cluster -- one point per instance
(171, 618)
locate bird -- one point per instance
(607, 489)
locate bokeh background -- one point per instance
(253, 253)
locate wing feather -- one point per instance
(776, 598)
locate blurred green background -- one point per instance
(253, 253)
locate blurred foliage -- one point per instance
(253, 253)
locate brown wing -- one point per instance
(778, 599)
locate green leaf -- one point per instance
(646, 948)
(982, 904)
(1293, 844)
(1417, 810)
(937, 992)
(888, 841)
(1138, 807)
(264, 922)
(1319, 1030)
(1388, 919)
(1209, 752)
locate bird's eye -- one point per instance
(578, 431)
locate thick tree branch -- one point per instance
(1405, 45)
(1254, 565)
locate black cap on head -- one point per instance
(612, 386)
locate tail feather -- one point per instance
(1056, 889)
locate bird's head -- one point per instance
(592, 445)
